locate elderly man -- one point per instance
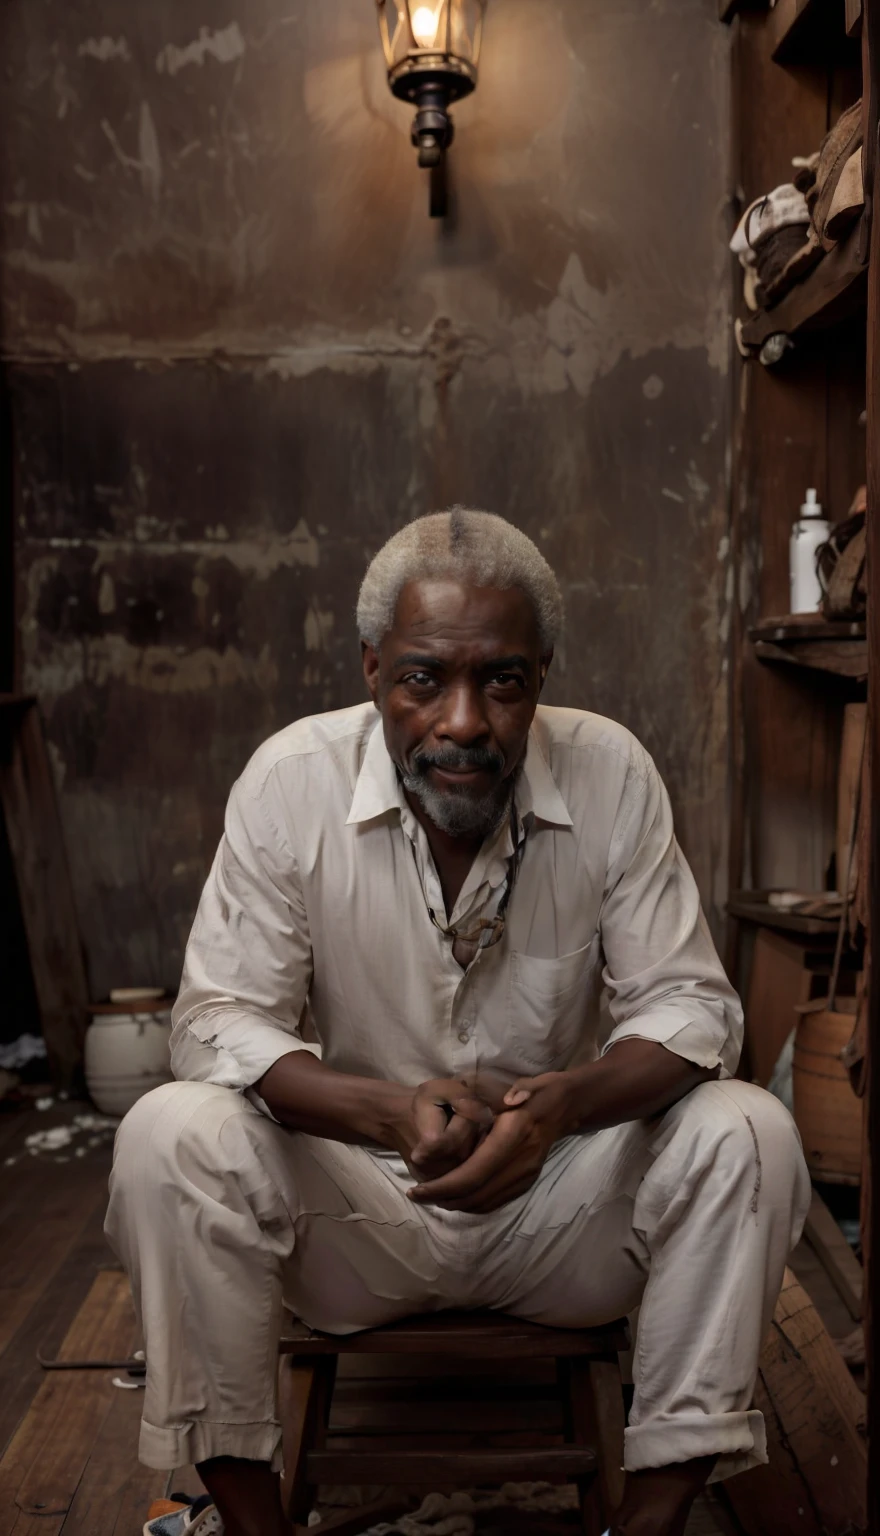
(452, 1033)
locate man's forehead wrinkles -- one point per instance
(479, 651)
(438, 623)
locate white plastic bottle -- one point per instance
(810, 530)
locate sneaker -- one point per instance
(183, 1516)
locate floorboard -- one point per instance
(115, 1491)
(44, 1462)
(51, 1246)
(47, 1323)
(28, 1269)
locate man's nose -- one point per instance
(463, 719)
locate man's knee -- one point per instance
(168, 1128)
(750, 1130)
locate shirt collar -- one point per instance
(378, 790)
(536, 792)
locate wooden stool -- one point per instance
(479, 1397)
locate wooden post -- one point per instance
(33, 829)
(871, 1202)
(594, 1413)
(305, 1388)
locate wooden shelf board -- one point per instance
(807, 627)
(830, 293)
(753, 907)
(809, 32)
(840, 658)
(808, 640)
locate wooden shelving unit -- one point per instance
(800, 682)
(835, 289)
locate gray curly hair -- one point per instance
(478, 548)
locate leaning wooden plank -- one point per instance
(802, 1340)
(33, 828)
(815, 1415)
(837, 1258)
(45, 1459)
(773, 1500)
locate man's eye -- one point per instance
(507, 679)
(420, 679)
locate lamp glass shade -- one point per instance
(411, 29)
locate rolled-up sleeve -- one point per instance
(248, 962)
(663, 977)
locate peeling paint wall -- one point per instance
(240, 355)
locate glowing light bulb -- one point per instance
(424, 25)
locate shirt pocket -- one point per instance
(549, 1001)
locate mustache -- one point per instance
(459, 759)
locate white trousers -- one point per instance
(218, 1213)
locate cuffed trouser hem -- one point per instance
(183, 1445)
(738, 1440)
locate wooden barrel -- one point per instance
(827, 1112)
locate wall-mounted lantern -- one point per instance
(432, 50)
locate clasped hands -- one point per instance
(474, 1146)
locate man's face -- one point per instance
(457, 680)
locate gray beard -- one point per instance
(458, 813)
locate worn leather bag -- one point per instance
(840, 563)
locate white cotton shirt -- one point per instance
(314, 929)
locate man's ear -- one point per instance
(543, 669)
(370, 658)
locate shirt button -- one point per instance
(463, 1036)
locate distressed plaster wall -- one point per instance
(240, 355)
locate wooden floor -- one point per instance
(68, 1439)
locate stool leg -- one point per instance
(305, 1392)
(597, 1419)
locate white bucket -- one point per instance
(126, 1054)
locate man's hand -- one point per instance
(535, 1113)
(475, 1145)
(440, 1127)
